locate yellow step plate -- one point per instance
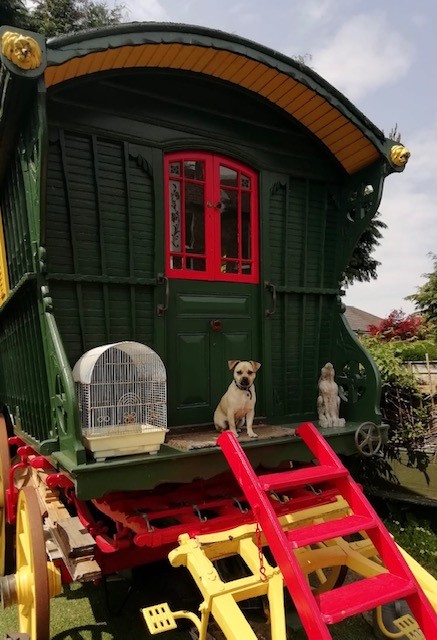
(159, 618)
(409, 627)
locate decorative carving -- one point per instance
(399, 155)
(328, 401)
(22, 50)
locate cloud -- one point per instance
(147, 10)
(364, 54)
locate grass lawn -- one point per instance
(82, 613)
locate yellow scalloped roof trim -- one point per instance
(343, 138)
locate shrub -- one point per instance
(402, 403)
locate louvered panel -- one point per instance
(282, 89)
(355, 152)
(183, 56)
(121, 57)
(233, 69)
(339, 133)
(307, 109)
(300, 100)
(246, 70)
(220, 58)
(141, 55)
(193, 58)
(98, 62)
(347, 141)
(207, 56)
(272, 85)
(170, 54)
(353, 165)
(328, 125)
(319, 116)
(286, 101)
(153, 61)
(263, 79)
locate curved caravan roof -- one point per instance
(291, 86)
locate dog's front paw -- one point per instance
(252, 435)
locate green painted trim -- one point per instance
(81, 277)
(169, 465)
(27, 277)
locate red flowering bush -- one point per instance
(398, 326)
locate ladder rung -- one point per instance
(363, 595)
(300, 477)
(330, 529)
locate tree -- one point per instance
(426, 297)
(398, 326)
(362, 267)
(55, 17)
(14, 13)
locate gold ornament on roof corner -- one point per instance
(23, 51)
(399, 155)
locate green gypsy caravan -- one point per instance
(172, 198)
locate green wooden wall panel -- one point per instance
(23, 383)
(303, 232)
(15, 223)
(100, 226)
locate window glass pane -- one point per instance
(194, 169)
(194, 218)
(245, 225)
(228, 176)
(175, 215)
(229, 266)
(229, 223)
(176, 262)
(247, 268)
(175, 168)
(195, 264)
(244, 182)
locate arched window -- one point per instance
(211, 218)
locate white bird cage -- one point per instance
(121, 390)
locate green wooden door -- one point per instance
(211, 262)
(207, 325)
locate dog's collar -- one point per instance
(247, 389)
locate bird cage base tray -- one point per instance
(148, 440)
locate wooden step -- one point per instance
(362, 595)
(300, 477)
(331, 529)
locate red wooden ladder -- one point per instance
(333, 606)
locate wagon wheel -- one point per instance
(368, 439)
(6, 530)
(327, 579)
(36, 579)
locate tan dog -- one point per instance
(238, 403)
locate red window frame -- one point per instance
(215, 265)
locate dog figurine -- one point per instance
(238, 403)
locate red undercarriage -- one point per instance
(137, 527)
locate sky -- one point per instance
(381, 54)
